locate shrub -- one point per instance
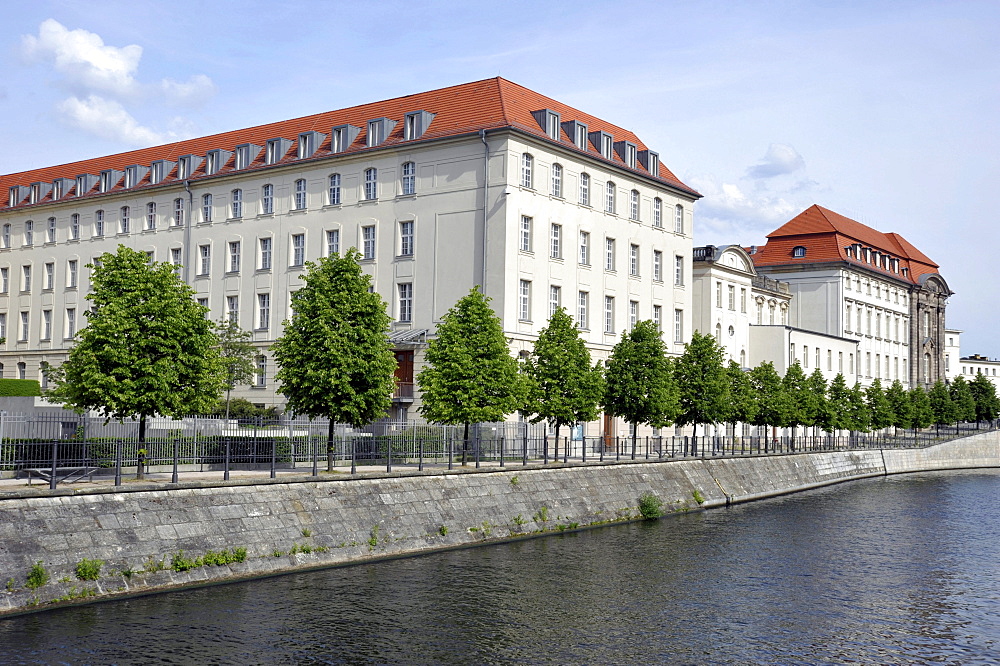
(89, 569)
(19, 388)
(650, 506)
(38, 576)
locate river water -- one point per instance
(897, 570)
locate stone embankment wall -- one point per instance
(292, 525)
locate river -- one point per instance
(896, 570)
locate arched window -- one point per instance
(584, 189)
(409, 178)
(50, 231)
(267, 199)
(178, 212)
(6, 235)
(150, 216)
(657, 212)
(557, 180)
(206, 208)
(743, 358)
(526, 164)
(798, 252)
(633, 212)
(335, 189)
(371, 183)
(237, 204)
(609, 201)
(679, 219)
(718, 333)
(300, 194)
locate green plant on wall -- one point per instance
(37, 576)
(650, 506)
(89, 569)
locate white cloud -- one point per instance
(108, 119)
(83, 57)
(728, 214)
(198, 90)
(780, 160)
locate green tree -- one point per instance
(334, 359)
(985, 395)
(774, 405)
(879, 408)
(562, 385)
(923, 413)
(838, 396)
(147, 348)
(470, 376)
(815, 405)
(702, 383)
(859, 417)
(942, 406)
(794, 383)
(742, 396)
(237, 355)
(901, 406)
(638, 384)
(963, 399)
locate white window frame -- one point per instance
(584, 248)
(405, 292)
(298, 249)
(582, 310)
(406, 238)
(267, 199)
(236, 208)
(527, 162)
(634, 206)
(609, 315)
(555, 242)
(557, 172)
(263, 311)
(409, 178)
(657, 266)
(524, 300)
(633, 260)
(204, 259)
(555, 298)
(300, 194)
(151, 216)
(527, 222)
(368, 242)
(609, 254)
(334, 189)
(332, 242)
(235, 250)
(584, 189)
(266, 246)
(206, 208)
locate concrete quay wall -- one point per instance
(341, 520)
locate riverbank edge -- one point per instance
(300, 524)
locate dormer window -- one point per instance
(604, 143)
(627, 151)
(342, 137)
(308, 143)
(548, 120)
(245, 155)
(216, 159)
(60, 186)
(159, 170)
(378, 131)
(187, 165)
(38, 192)
(798, 252)
(134, 175)
(275, 150)
(577, 131)
(416, 124)
(16, 195)
(651, 161)
(85, 183)
(109, 178)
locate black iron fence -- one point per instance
(57, 448)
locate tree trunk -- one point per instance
(557, 442)
(141, 457)
(229, 390)
(329, 445)
(635, 430)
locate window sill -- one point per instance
(232, 273)
(298, 211)
(263, 270)
(148, 231)
(201, 276)
(296, 267)
(404, 257)
(234, 219)
(412, 195)
(367, 202)
(329, 206)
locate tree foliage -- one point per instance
(856, 409)
(742, 397)
(838, 397)
(794, 386)
(942, 407)
(701, 381)
(774, 405)
(236, 353)
(562, 385)
(334, 359)
(470, 376)
(147, 348)
(963, 399)
(816, 406)
(985, 394)
(900, 404)
(638, 384)
(923, 413)
(879, 408)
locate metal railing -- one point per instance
(57, 448)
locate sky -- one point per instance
(887, 112)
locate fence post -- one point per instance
(501, 445)
(451, 454)
(420, 455)
(173, 477)
(274, 454)
(524, 458)
(315, 470)
(583, 445)
(225, 465)
(354, 464)
(118, 461)
(566, 447)
(52, 478)
(545, 448)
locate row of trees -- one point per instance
(149, 349)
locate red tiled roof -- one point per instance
(489, 104)
(826, 235)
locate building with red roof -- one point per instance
(486, 183)
(848, 279)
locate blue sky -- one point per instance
(884, 111)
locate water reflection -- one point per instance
(896, 570)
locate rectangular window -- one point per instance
(634, 206)
(50, 276)
(678, 271)
(555, 250)
(718, 294)
(26, 281)
(29, 233)
(583, 305)
(524, 300)
(233, 308)
(633, 313)
(525, 234)
(205, 259)
(609, 254)
(265, 254)
(368, 242)
(732, 298)
(584, 248)
(658, 317)
(584, 189)
(409, 178)
(298, 249)
(406, 239)
(267, 199)
(678, 325)
(263, 311)
(657, 212)
(24, 327)
(175, 259)
(840, 362)
(300, 194)
(178, 212)
(609, 314)
(237, 204)
(743, 300)
(555, 299)
(261, 379)
(679, 219)
(406, 302)
(71, 271)
(633, 259)
(3, 324)
(5, 236)
(50, 230)
(4, 280)
(46, 324)
(371, 184)
(150, 216)
(334, 189)
(557, 181)
(526, 164)
(657, 266)
(234, 256)
(332, 242)
(124, 220)
(70, 322)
